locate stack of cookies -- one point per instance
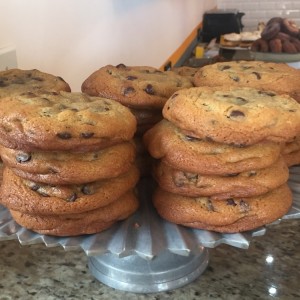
(17, 81)
(68, 162)
(143, 89)
(218, 157)
(267, 76)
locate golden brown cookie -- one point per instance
(68, 167)
(17, 81)
(231, 115)
(79, 223)
(167, 142)
(185, 71)
(44, 199)
(277, 77)
(244, 184)
(291, 152)
(134, 86)
(231, 215)
(63, 121)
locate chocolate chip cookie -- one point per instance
(278, 77)
(79, 223)
(59, 121)
(291, 152)
(230, 215)
(134, 86)
(17, 81)
(244, 184)
(37, 198)
(167, 142)
(70, 168)
(232, 115)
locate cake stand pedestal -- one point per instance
(146, 254)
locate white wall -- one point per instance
(73, 38)
(263, 10)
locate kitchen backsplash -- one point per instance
(261, 11)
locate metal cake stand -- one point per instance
(145, 253)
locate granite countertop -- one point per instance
(267, 270)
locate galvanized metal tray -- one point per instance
(144, 234)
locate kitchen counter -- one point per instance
(269, 269)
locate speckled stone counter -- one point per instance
(269, 269)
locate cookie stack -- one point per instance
(267, 76)
(17, 81)
(143, 89)
(69, 162)
(219, 164)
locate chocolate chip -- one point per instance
(64, 135)
(232, 174)
(235, 78)
(38, 78)
(130, 77)
(241, 100)
(120, 66)
(251, 173)
(238, 145)
(244, 206)
(208, 139)
(86, 190)
(29, 95)
(231, 202)
(191, 138)
(128, 90)
(268, 93)
(72, 198)
(44, 194)
(226, 67)
(210, 206)
(34, 187)
(3, 84)
(23, 157)
(258, 76)
(236, 114)
(149, 89)
(191, 176)
(52, 171)
(87, 135)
